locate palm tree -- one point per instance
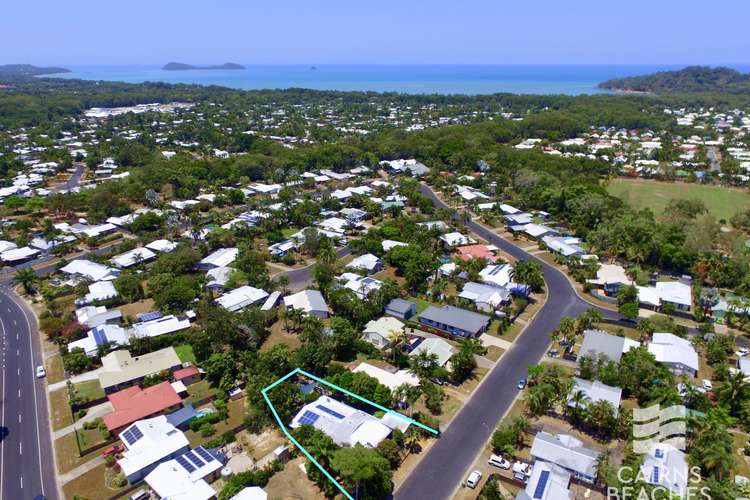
(423, 364)
(578, 400)
(396, 338)
(26, 277)
(412, 442)
(733, 391)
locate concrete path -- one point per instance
(92, 414)
(80, 470)
(83, 377)
(488, 340)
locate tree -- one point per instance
(389, 450)
(363, 471)
(423, 364)
(627, 301)
(734, 392)
(529, 273)
(26, 277)
(129, 287)
(577, 402)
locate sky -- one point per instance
(52, 32)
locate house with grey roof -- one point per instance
(598, 344)
(455, 321)
(595, 391)
(309, 302)
(567, 452)
(400, 308)
(437, 346)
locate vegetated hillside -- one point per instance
(29, 70)
(177, 66)
(690, 79)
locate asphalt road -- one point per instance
(72, 181)
(446, 463)
(301, 278)
(26, 458)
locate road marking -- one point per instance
(2, 423)
(20, 448)
(21, 482)
(19, 418)
(19, 393)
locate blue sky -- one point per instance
(376, 32)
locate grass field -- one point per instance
(722, 202)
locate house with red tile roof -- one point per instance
(476, 252)
(188, 375)
(133, 404)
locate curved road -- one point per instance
(446, 463)
(27, 466)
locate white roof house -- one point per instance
(132, 257)
(676, 293)
(335, 224)
(100, 290)
(100, 335)
(347, 426)
(388, 379)
(220, 258)
(90, 270)
(241, 297)
(182, 478)
(367, 262)
(547, 482)
(18, 254)
(7, 245)
(378, 331)
(486, 297)
(251, 493)
(149, 442)
(218, 277)
(160, 326)
(437, 346)
(389, 244)
(596, 391)
(455, 239)
(610, 274)
(362, 286)
(162, 246)
(309, 302)
(665, 465)
(677, 353)
(567, 452)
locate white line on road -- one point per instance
(20, 448)
(21, 482)
(2, 424)
(19, 418)
(14, 322)
(19, 393)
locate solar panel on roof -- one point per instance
(185, 464)
(137, 434)
(149, 316)
(194, 458)
(99, 336)
(128, 437)
(330, 412)
(659, 453)
(308, 418)
(204, 454)
(655, 475)
(542, 484)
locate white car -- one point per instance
(498, 461)
(40, 372)
(473, 480)
(707, 384)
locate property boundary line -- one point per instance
(348, 393)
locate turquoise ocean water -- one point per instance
(413, 79)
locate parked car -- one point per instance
(473, 480)
(707, 384)
(522, 471)
(113, 450)
(40, 372)
(521, 384)
(498, 461)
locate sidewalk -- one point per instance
(80, 470)
(83, 377)
(488, 340)
(92, 414)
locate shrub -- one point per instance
(207, 429)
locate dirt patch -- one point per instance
(292, 484)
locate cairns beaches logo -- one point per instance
(659, 435)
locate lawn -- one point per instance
(279, 335)
(236, 411)
(90, 390)
(421, 304)
(60, 409)
(494, 352)
(89, 438)
(55, 369)
(66, 451)
(721, 201)
(199, 391)
(185, 353)
(95, 483)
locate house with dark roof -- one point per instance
(598, 344)
(454, 321)
(400, 308)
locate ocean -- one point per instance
(411, 79)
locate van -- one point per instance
(473, 480)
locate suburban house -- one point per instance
(251, 493)
(547, 482)
(347, 426)
(18, 255)
(188, 375)
(160, 325)
(400, 308)
(437, 346)
(354, 216)
(133, 257)
(367, 262)
(565, 246)
(455, 239)
(120, 369)
(217, 278)
(389, 379)
(149, 442)
(454, 321)
(610, 277)
(598, 344)
(99, 291)
(567, 452)
(241, 297)
(92, 316)
(309, 302)
(390, 244)
(487, 298)
(595, 391)
(184, 477)
(477, 252)
(220, 258)
(678, 354)
(666, 466)
(501, 275)
(378, 332)
(92, 271)
(362, 286)
(104, 334)
(133, 404)
(162, 246)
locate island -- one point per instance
(29, 70)
(176, 66)
(690, 79)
